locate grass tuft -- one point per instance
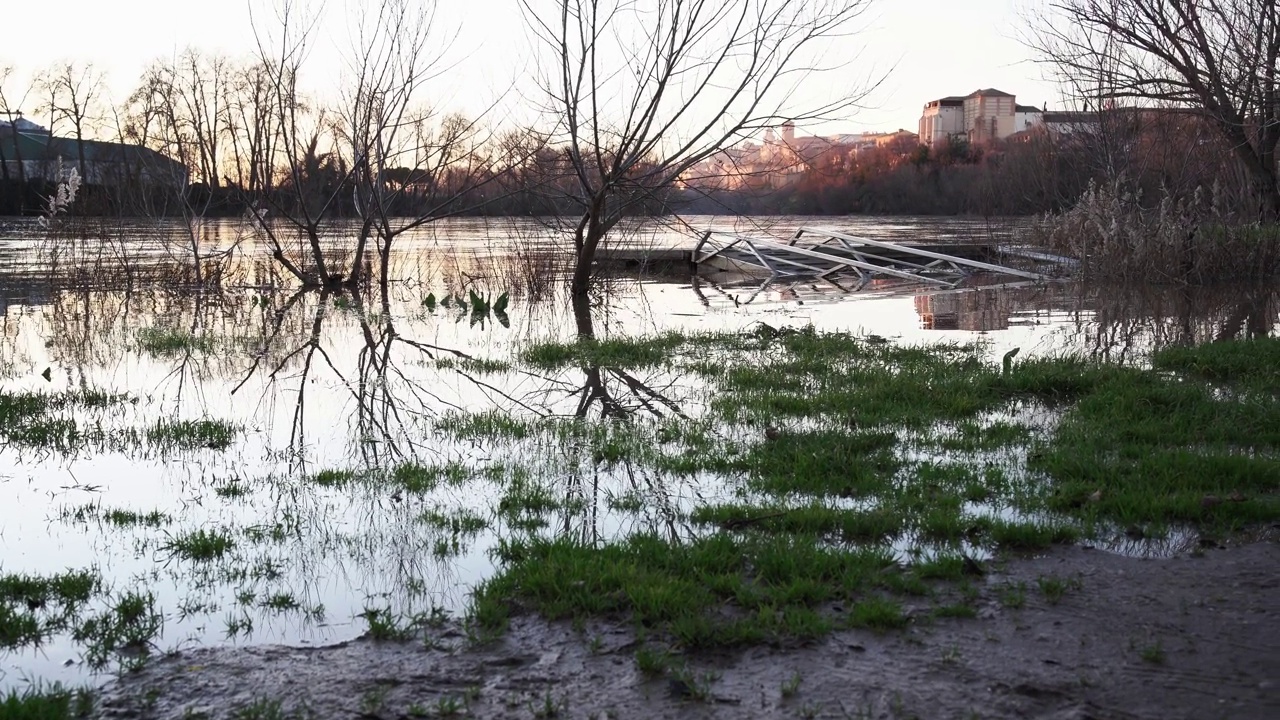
(46, 702)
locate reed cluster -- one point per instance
(1120, 236)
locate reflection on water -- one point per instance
(345, 489)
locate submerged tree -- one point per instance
(1218, 58)
(642, 92)
(380, 153)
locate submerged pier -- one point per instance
(823, 253)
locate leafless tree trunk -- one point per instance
(1216, 57)
(644, 91)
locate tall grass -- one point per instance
(1121, 236)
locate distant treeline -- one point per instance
(1036, 175)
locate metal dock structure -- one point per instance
(826, 254)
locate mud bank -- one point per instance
(1188, 637)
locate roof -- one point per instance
(990, 92)
(24, 125)
(39, 147)
(1026, 108)
(1071, 117)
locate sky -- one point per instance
(928, 48)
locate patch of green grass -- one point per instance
(851, 525)
(334, 478)
(117, 516)
(825, 462)
(460, 522)
(192, 434)
(231, 488)
(18, 406)
(652, 661)
(236, 625)
(956, 610)
(19, 629)
(69, 589)
(775, 584)
(526, 503)
(1030, 535)
(416, 478)
(51, 702)
(169, 342)
(35, 607)
(1055, 588)
(877, 614)
(281, 602)
(478, 366)
(940, 567)
(385, 625)
(835, 443)
(972, 436)
(619, 353)
(130, 518)
(200, 545)
(125, 631)
(1251, 365)
(1150, 449)
(26, 419)
(487, 425)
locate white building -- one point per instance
(942, 119)
(979, 117)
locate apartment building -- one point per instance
(980, 117)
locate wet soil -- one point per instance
(1195, 636)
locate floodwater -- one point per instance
(325, 381)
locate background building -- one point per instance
(979, 117)
(29, 152)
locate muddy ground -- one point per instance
(1195, 636)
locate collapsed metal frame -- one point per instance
(836, 253)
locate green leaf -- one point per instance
(501, 317)
(430, 302)
(500, 305)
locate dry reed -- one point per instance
(1177, 239)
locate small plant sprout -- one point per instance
(1054, 588)
(1013, 595)
(1153, 653)
(791, 685)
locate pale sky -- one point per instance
(935, 47)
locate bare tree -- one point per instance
(251, 128)
(380, 153)
(642, 91)
(1219, 58)
(73, 93)
(398, 147)
(11, 114)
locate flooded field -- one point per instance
(250, 464)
